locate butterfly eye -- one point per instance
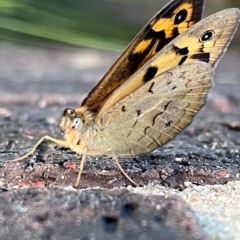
(180, 16)
(76, 123)
(206, 36)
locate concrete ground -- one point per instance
(201, 165)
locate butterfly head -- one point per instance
(70, 121)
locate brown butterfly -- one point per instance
(154, 89)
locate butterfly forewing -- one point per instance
(168, 23)
(206, 41)
(158, 111)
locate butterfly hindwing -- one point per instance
(175, 18)
(159, 110)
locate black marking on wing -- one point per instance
(169, 123)
(180, 16)
(138, 112)
(124, 109)
(175, 32)
(183, 59)
(150, 73)
(145, 129)
(135, 123)
(206, 36)
(151, 34)
(151, 86)
(155, 117)
(166, 106)
(161, 44)
(204, 57)
(137, 57)
(164, 41)
(169, 82)
(180, 51)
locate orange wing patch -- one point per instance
(172, 20)
(163, 30)
(180, 19)
(199, 43)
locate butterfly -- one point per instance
(155, 87)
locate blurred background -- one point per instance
(101, 24)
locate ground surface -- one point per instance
(37, 84)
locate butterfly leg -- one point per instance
(57, 141)
(84, 152)
(108, 151)
(121, 169)
(83, 158)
